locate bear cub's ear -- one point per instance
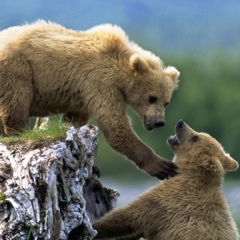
(211, 164)
(138, 64)
(229, 164)
(172, 73)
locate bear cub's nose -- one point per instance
(180, 124)
(159, 124)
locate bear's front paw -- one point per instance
(163, 169)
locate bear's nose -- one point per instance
(159, 124)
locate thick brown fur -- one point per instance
(188, 206)
(47, 69)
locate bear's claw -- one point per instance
(169, 169)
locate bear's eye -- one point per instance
(194, 139)
(166, 104)
(152, 99)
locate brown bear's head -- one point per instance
(199, 153)
(150, 89)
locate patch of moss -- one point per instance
(56, 130)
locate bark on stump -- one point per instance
(51, 192)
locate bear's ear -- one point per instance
(138, 64)
(229, 164)
(172, 73)
(212, 164)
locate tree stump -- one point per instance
(52, 192)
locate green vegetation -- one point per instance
(55, 130)
(2, 197)
(29, 235)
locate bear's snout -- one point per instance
(150, 123)
(180, 123)
(183, 131)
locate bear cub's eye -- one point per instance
(194, 139)
(152, 99)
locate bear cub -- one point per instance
(188, 206)
(47, 69)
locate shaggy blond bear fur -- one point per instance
(47, 69)
(188, 206)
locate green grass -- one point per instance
(55, 130)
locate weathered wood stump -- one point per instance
(51, 192)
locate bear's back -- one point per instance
(51, 37)
(180, 210)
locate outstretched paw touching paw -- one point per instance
(162, 169)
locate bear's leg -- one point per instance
(120, 136)
(16, 117)
(16, 92)
(15, 108)
(116, 223)
(1, 128)
(78, 120)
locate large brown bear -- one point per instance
(188, 206)
(47, 69)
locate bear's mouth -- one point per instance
(173, 140)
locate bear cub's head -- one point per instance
(150, 88)
(199, 153)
